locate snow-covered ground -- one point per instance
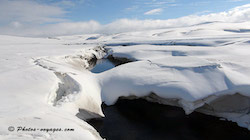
(44, 81)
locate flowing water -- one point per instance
(142, 120)
(103, 65)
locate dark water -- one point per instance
(102, 65)
(142, 120)
(107, 64)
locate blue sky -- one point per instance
(68, 17)
(105, 11)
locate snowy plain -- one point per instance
(45, 81)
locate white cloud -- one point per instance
(65, 28)
(238, 14)
(65, 3)
(202, 12)
(69, 3)
(200, 3)
(28, 11)
(15, 24)
(70, 28)
(236, 0)
(154, 11)
(158, 3)
(132, 8)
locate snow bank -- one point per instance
(28, 91)
(184, 70)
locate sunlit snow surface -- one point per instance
(45, 81)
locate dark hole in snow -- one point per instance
(163, 43)
(238, 31)
(142, 120)
(102, 65)
(92, 38)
